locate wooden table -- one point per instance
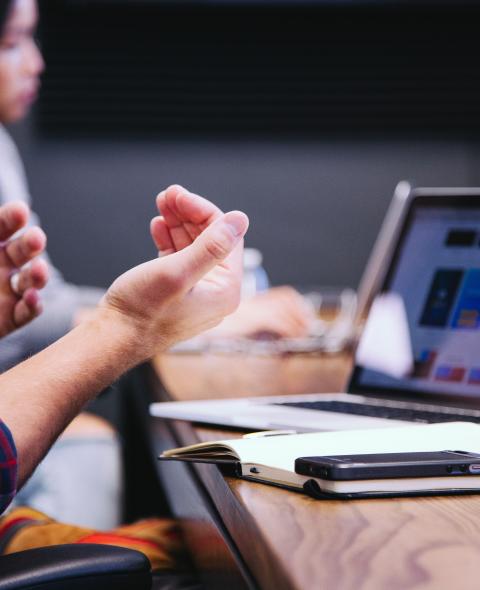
(249, 535)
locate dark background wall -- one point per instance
(305, 117)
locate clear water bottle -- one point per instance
(255, 277)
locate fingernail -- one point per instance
(237, 222)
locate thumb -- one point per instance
(212, 247)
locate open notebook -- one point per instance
(271, 459)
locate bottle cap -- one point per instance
(252, 258)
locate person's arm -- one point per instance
(146, 310)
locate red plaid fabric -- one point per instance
(8, 467)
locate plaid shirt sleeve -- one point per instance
(8, 467)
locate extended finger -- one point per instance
(28, 308)
(34, 276)
(167, 207)
(186, 214)
(22, 249)
(219, 244)
(177, 219)
(192, 208)
(195, 211)
(13, 216)
(168, 214)
(166, 202)
(183, 206)
(161, 236)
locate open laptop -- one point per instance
(432, 276)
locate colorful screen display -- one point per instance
(436, 273)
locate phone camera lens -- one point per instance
(464, 468)
(449, 469)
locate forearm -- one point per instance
(39, 397)
(147, 309)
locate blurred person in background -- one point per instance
(21, 65)
(280, 312)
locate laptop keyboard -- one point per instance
(390, 412)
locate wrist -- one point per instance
(131, 336)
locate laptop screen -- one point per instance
(431, 295)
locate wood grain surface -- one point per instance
(209, 375)
(414, 543)
(293, 542)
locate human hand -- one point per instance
(19, 284)
(281, 312)
(196, 281)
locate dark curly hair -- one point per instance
(4, 9)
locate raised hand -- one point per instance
(197, 280)
(19, 284)
(281, 311)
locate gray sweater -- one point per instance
(60, 299)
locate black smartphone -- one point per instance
(389, 465)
